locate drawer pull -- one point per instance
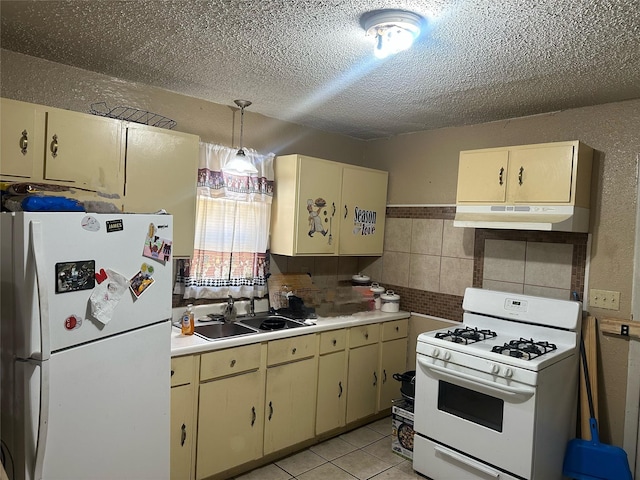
(24, 142)
(340, 385)
(183, 435)
(366, 336)
(233, 363)
(54, 146)
(375, 379)
(253, 415)
(334, 342)
(397, 329)
(293, 351)
(270, 410)
(172, 372)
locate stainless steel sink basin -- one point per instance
(270, 322)
(217, 330)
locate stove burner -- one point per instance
(466, 335)
(524, 349)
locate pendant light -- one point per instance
(239, 164)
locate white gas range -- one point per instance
(496, 397)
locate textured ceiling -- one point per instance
(309, 62)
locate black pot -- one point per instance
(408, 388)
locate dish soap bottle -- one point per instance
(188, 321)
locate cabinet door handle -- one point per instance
(253, 415)
(384, 376)
(346, 211)
(520, 175)
(172, 372)
(24, 142)
(233, 362)
(270, 410)
(333, 207)
(375, 379)
(340, 385)
(183, 435)
(54, 146)
(501, 176)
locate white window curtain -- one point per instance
(232, 226)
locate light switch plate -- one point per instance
(604, 299)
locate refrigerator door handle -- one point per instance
(43, 421)
(37, 246)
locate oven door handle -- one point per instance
(465, 377)
(467, 461)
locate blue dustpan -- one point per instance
(590, 459)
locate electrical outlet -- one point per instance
(604, 299)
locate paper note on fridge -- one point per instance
(106, 296)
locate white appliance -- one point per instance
(497, 397)
(85, 391)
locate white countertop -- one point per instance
(190, 344)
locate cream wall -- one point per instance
(422, 166)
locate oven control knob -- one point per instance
(508, 373)
(495, 368)
(436, 352)
(447, 356)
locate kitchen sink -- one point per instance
(217, 330)
(269, 322)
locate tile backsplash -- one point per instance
(429, 262)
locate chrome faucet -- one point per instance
(252, 306)
(229, 310)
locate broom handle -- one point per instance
(586, 378)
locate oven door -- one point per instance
(471, 412)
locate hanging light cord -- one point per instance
(241, 151)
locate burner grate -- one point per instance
(466, 335)
(526, 349)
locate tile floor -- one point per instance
(364, 453)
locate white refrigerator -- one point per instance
(85, 345)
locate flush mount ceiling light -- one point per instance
(393, 30)
(240, 164)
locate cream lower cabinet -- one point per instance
(161, 172)
(327, 208)
(230, 410)
(290, 401)
(183, 419)
(331, 403)
(46, 144)
(363, 375)
(393, 359)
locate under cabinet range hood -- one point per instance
(519, 217)
(530, 187)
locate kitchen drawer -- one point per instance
(333, 341)
(395, 329)
(182, 370)
(230, 361)
(364, 335)
(291, 349)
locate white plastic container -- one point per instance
(360, 280)
(390, 302)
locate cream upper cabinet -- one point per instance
(363, 211)
(550, 173)
(21, 139)
(161, 172)
(63, 147)
(327, 208)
